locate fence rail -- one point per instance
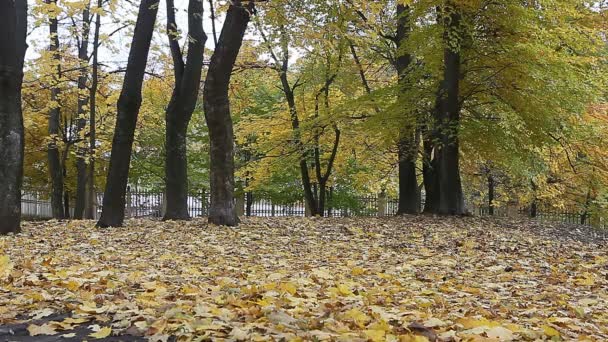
(36, 205)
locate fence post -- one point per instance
(382, 203)
(203, 203)
(163, 204)
(240, 205)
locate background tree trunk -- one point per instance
(217, 114)
(129, 102)
(409, 199)
(13, 29)
(451, 200)
(83, 100)
(91, 194)
(53, 155)
(180, 109)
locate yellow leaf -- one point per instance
(102, 333)
(470, 323)
(357, 316)
(344, 290)
(5, 265)
(357, 271)
(374, 334)
(549, 331)
(45, 329)
(289, 288)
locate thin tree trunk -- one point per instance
(288, 91)
(217, 114)
(54, 157)
(13, 28)
(180, 109)
(83, 100)
(409, 198)
(213, 29)
(91, 194)
(129, 102)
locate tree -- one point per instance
(54, 156)
(449, 196)
(408, 145)
(179, 112)
(13, 29)
(217, 113)
(91, 194)
(113, 212)
(83, 100)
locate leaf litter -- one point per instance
(347, 279)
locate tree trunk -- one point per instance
(217, 114)
(409, 199)
(180, 109)
(13, 28)
(83, 100)
(54, 157)
(91, 194)
(129, 102)
(451, 199)
(408, 181)
(490, 195)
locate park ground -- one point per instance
(344, 279)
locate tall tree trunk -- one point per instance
(180, 109)
(13, 28)
(54, 157)
(409, 198)
(91, 194)
(129, 102)
(451, 200)
(83, 100)
(217, 114)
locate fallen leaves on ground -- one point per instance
(347, 279)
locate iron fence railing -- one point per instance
(36, 205)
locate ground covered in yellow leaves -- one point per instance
(384, 279)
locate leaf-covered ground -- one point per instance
(407, 279)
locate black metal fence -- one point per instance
(36, 205)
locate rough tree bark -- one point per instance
(129, 102)
(180, 109)
(451, 199)
(53, 154)
(409, 198)
(217, 114)
(13, 28)
(83, 100)
(91, 194)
